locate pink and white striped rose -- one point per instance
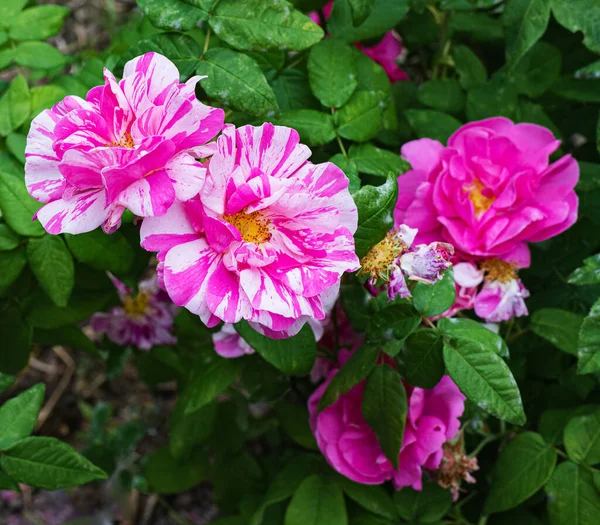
(266, 240)
(131, 144)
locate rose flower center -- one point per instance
(497, 270)
(125, 142)
(253, 227)
(481, 202)
(381, 256)
(136, 306)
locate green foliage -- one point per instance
(316, 501)
(425, 506)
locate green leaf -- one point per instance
(358, 366)
(582, 438)
(525, 21)
(375, 214)
(588, 72)
(189, 430)
(589, 273)
(172, 14)
(293, 356)
(208, 382)
(360, 9)
(444, 95)
(560, 327)
(384, 407)
(374, 498)
(315, 127)
(70, 336)
(523, 467)
(52, 264)
(12, 264)
(584, 16)
(421, 361)
(423, 506)
(10, 9)
(44, 97)
(38, 23)
(38, 55)
(390, 326)
(472, 72)
(16, 341)
(588, 346)
(434, 299)
(6, 57)
(292, 90)
(578, 90)
(470, 330)
(478, 26)
(485, 379)
(384, 15)
(15, 106)
(49, 464)
(372, 160)
(331, 72)
(44, 314)
(361, 117)
(17, 206)
(182, 50)
(6, 381)
(294, 420)
(19, 414)
(572, 497)
(166, 475)
(317, 502)
(258, 25)
(496, 98)
(538, 70)
(427, 123)
(7, 483)
(16, 143)
(237, 81)
(101, 251)
(348, 166)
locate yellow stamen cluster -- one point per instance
(481, 203)
(380, 258)
(125, 142)
(253, 227)
(136, 306)
(497, 270)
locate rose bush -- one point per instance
(311, 262)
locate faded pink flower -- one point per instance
(267, 239)
(456, 467)
(350, 445)
(501, 300)
(145, 320)
(490, 191)
(426, 262)
(131, 144)
(467, 278)
(229, 344)
(387, 53)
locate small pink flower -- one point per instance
(267, 239)
(131, 144)
(501, 301)
(144, 321)
(490, 191)
(426, 262)
(350, 445)
(387, 53)
(229, 344)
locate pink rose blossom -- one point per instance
(500, 301)
(130, 144)
(350, 445)
(490, 191)
(266, 240)
(387, 53)
(144, 321)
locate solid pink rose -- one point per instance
(490, 191)
(351, 447)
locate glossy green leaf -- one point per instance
(237, 81)
(560, 327)
(16, 143)
(589, 273)
(372, 160)
(421, 362)
(49, 464)
(375, 214)
(166, 475)
(38, 55)
(435, 299)
(19, 414)
(525, 21)
(186, 431)
(473, 331)
(17, 206)
(258, 25)
(472, 72)
(584, 16)
(496, 98)
(523, 467)
(361, 117)
(294, 420)
(348, 166)
(52, 264)
(538, 69)
(331, 72)
(578, 90)
(423, 506)
(101, 251)
(38, 23)
(292, 356)
(444, 95)
(208, 382)
(12, 264)
(317, 502)
(588, 346)
(358, 366)
(16, 341)
(315, 127)
(384, 407)
(572, 497)
(485, 379)
(172, 14)
(373, 498)
(427, 123)
(390, 326)
(582, 438)
(15, 105)
(292, 90)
